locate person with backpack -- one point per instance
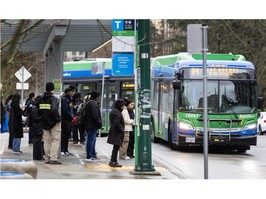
(80, 119)
(93, 122)
(51, 123)
(35, 123)
(78, 135)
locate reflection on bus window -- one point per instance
(223, 96)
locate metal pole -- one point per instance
(103, 73)
(136, 79)
(22, 85)
(205, 99)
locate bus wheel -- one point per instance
(260, 130)
(153, 138)
(171, 144)
(242, 149)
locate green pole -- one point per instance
(143, 161)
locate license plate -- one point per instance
(190, 139)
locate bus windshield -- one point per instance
(224, 96)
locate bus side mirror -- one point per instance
(260, 102)
(177, 84)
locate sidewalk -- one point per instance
(75, 166)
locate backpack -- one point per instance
(82, 113)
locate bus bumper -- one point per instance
(190, 140)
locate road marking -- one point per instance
(127, 167)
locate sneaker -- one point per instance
(16, 152)
(68, 153)
(75, 142)
(89, 159)
(126, 158)
(64, 154)
(114, 164)
(54, 162)
(132, 156)
(96, 158)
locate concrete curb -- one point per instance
(23, 166)
(14, 175)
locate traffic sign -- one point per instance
(25, 86)
(23, 74)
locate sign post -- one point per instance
(23, 75)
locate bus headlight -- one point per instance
(183, 125)
(250, 126)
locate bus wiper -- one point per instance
(237, 118)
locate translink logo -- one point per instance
(117, 24)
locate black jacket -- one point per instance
(15, 120)
(93, 119)
(116, 131)
(66, 108)
(49, 106)
(36, 120)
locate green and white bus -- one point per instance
(177, 100)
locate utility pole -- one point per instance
(205, 99)
(143, 158)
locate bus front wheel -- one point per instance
(243, 149)
(153, 138)
(170, 134)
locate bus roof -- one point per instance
(172, 59)
(85, 65)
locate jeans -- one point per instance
(16, 144)
(90, 143)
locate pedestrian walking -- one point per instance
(93, 123)
(51, 122)
(116, 131)
(128, 127)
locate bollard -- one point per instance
(23, 166)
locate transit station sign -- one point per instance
(123, 47)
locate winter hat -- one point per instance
(127, 101)
(119, 103)
(67, 89)
(94, 94)
(49, 86)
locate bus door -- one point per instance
(160, 112)
(109, 97)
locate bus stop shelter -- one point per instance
(55, 36)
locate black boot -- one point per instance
(114, 164)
